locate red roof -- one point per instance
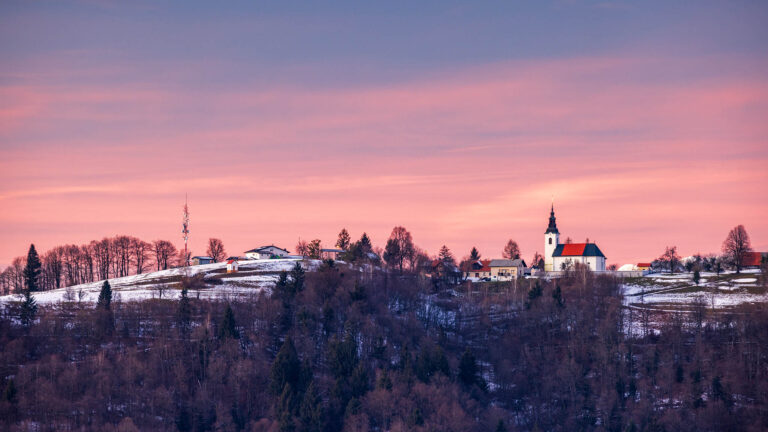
(751, 259)
(486, 266)
(231, 261)
(573, 249)
(643, 264)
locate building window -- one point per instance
(550, 240)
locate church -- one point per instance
(558, 256)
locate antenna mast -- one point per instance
(185, 231)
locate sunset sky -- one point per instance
(646, 121)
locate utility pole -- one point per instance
(185, 231)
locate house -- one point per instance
(232, 266)
(644, 266)
(752, 259)
(332, 254)
(477, 269)
(442, 271)
(559, 256)
(266, 252)
(506, 269)
(200, 260)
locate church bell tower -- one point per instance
(551, 240)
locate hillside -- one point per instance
(252, 277)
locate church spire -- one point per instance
(552, 228)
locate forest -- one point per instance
(339, 349)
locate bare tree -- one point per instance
(140, 254)
(216, 249)
(736, 245)
(53, 267)
(538, 261)
(669, 259)
(164, 252)
(302, 248)
(511, 250)
(102, 255)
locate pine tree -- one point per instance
(32, 270)
(105, 320)
(343, 240)
(384, 381)
(311, 410)
(286, 368)
(184, 313)
(28, 309)
(9, 395)
(445, 255)
(467, 368)
(105, 296)
(500, 427)
(228, 326)
(297, 279)
(474, 254)
(557, 296)
(696, 276)
(365, 244)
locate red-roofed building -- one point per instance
(644, 266)
(559, 256)
(751, 259)
(232, 266)
(477, 269)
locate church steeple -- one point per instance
(552, 228)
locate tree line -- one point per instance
(103, 259)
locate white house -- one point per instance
(232, 266)
(558, 256)
(266, 252)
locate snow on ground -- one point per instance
(724, 290)
(156, 284)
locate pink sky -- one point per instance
(465, 157)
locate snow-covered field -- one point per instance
(673, 291)
(252, 278)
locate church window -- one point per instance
(550, 240)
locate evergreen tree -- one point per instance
(446, 256)
(228, 326)
(297, 279)
(365, 244)
(474, 255)
(311, 410)
(696, 276)
(343, 240)
(184, 313)
(533, 294)
(105, 296)
(28, 309)
(557, 296)
(500, 427)
(105, 320)
(32, 270)
(9, 395)
(286, 368)
(384, 381)
(468, 371)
